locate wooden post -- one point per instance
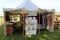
(39, 23)
(43, 21)
(23, 22)
(5, 24)
(23, 14)
(52, 25)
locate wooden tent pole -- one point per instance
(21, 20)
(23, 26)
(52, 23)
(43, 20)
(5, 31)
(52, 29)
(39, 23)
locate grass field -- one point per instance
(44, 35)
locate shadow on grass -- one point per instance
(14, 37)
(21, 37)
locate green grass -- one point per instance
(1, 32)
(44, 35)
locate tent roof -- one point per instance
(28, 5)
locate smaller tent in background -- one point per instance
(57, 20)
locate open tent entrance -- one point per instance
(14, 23)
(17, 27)
(45, 21)
(40, 19)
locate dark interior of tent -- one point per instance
(42, 21)
(13, 27)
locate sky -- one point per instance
(44, 4)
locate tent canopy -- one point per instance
(28, 5)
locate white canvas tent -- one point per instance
(30, 8)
